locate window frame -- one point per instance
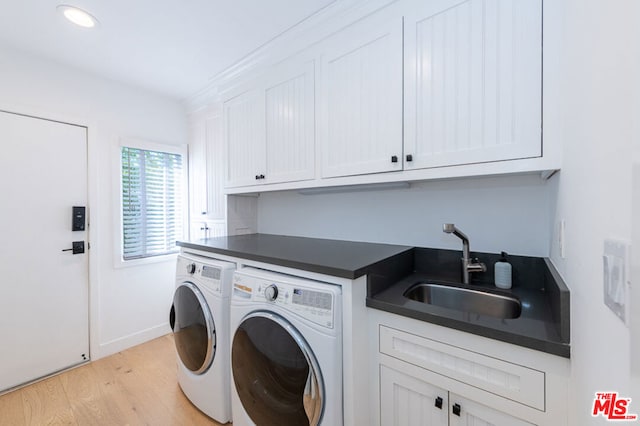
(119, 261)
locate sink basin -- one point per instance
(465, 300)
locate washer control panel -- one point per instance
(314, 301)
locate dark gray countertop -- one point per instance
(345, 259)
(535, 328)
(543, 324)
(391, 269)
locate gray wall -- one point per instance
(497, 213)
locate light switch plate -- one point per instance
(615, 277)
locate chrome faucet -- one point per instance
(468, 265)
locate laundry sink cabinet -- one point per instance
(431, 375)
(409, 400)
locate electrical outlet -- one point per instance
(615, 277)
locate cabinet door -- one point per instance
(244, 134)
(206, 168)
(464, 412)
(362, 99)
(473, 81)
(407, 401)
(290, 123)
(197, 169)
(214, 147)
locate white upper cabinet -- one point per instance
(290, 123)
(361, 82)
(270, 130)
(422, 89)
(197, 169)
(473, 82)
(206, 165)
(216, 206)
(207, 212)
(244, 124)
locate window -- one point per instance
(152, 202)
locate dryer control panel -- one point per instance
(210, 274)
(315, 301)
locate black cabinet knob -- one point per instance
(261, 176)
(439, 403)
(409, 157)
(456, 409)
(257, 177)
(394, 158)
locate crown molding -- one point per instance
(312, 30)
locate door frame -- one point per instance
(93, 242)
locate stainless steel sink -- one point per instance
(465, 300)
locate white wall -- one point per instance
(128, 305)
(497, 213)
(594, 189)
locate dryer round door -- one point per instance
(193, 328)
(276, 375)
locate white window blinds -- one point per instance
(151, 202)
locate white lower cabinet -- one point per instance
(429, 375)
(406, 400)
(464, 412)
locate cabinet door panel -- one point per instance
(197, 170)
(408, 401)
(473, 81)
(214, 147)
(474, 414)
(245, 138)
(362, 102)
(290, 124)
(206, 168)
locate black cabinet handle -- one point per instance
(394, 158)
(257, 177)
(261, 176)
(439, 403)
(456, 409)
(409, 157)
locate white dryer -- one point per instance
(286, 350)
(199, 319)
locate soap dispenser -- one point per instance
(502, 271)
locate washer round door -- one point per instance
(193, 328)
(275, 372)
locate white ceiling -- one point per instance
(173, 47)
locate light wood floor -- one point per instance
(134, 387)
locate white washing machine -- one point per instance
(286, 350)
(199, 319)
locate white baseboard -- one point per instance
(126, 342)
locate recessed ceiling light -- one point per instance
(78, 16)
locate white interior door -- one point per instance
(43, 289)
